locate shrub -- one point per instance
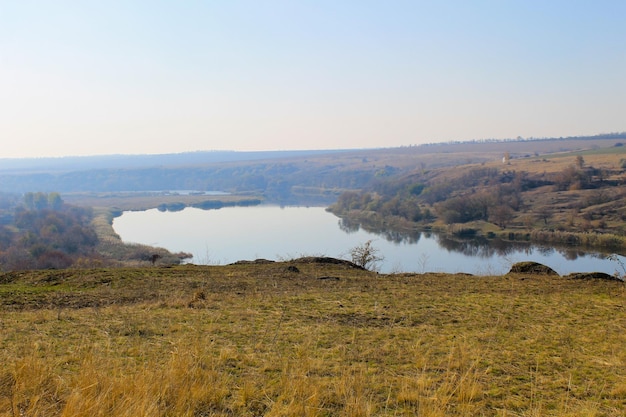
(366, 256)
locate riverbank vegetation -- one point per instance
(308, 339)
(576, 199)
(40, 231)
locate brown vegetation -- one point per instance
(41, 231)
(263, 339)
(561, 199)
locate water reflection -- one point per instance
(478, 246)
(393, 236)
(348, 226)
(475, 246)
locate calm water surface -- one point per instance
(278, 233)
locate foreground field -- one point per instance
(308, 339)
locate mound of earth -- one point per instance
(593, 275)
(255, 262)
(304, 260)
(326, 260)
(533, 268)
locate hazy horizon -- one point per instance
(134, 78)
(138, 154)
(322, 150)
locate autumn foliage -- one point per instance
(42, 232)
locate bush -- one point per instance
(366, 256)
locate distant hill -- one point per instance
(82, 163)
(279, 176)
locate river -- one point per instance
(280, 233)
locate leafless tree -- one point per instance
(366, 256)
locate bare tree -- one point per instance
(501, 215)
(544, 214)
(580, 161)
(366, 256)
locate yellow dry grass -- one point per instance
(252, 340)
(603, 159)
(144, 200)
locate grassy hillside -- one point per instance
(574, 198)
(308, 339)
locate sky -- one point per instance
(90, 77)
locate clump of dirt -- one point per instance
(593, 275)
(326, 260)
(255, 262)
(533, 268)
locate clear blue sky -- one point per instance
(121, 76)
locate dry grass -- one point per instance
(252, 340)
(607, 158)
(115, 252)
(144, 200)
